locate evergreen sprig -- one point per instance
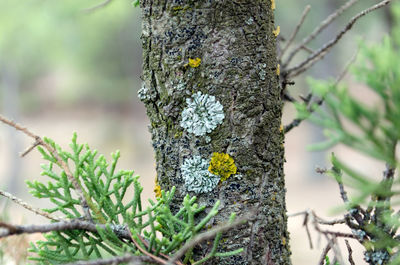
(114, 200)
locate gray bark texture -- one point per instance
(234, 40)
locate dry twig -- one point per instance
(308, 99)
(320, 53)
(29, 207)
(154, 258)
(133, 260)
(9, 229)
(296, 30)
(350, 252)
(94, 8)
(319, 29)
(83, 199)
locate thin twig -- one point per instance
(336, 250)
(305, 224)
(296, 30)
(75, 224)
(319, 54)
(71, 178)
(205, 236)
(309, 50)
(324, 253)
(161, 254)
(93, 8)
(28, 206)
(319, 102)
(134, 260)
(318, 30)
(29, 149)
(350, 252)
(153, 257)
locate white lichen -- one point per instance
(196, 175)
(202, 114)
(145, 94)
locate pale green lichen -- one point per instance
(196, 175)
(202, 114)
(223, 165)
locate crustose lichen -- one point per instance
(222, 164)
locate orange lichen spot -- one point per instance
(277, 31)
(223, 165)
(157, 190)
(278, 69)
(281, 128)
(194, 62)
(273, 6)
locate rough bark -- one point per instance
(236, 44)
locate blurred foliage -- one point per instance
(57, 48)
(65, 56)
(370, 126)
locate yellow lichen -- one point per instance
(281, 128)
(284, 241)
(222, 164)
(278, 69)
(157, 189)
(273, 4)
(277, 31)
(194, 62)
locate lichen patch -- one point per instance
(196, 175)
(223, 165)
(202, 114)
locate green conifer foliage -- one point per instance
(115, 209)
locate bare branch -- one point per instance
(319, 102)
(319, 29)
(296, 30)
(9, 229)
(309, 50)
(324, 253)
(305, 224)
(28, 206)
(29, 149)
(83, 199)
(134, 260)
(320, 53)
(350, 252)
(94, 8)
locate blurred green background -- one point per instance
(63, 69)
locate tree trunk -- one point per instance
(194, 50)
